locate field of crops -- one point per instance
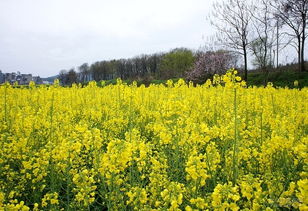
(219, 146)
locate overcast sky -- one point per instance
(44, 36)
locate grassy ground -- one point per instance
(279, 79)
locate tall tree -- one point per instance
(84, 72)
(176, 63)
(232, 19)
(62, 76)
(261, 53)
(72, 77)
(264, 26)
(293, 13)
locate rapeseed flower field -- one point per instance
(217, 146)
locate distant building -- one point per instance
(25, 79)
(1, 77)
(37, 80)
(10, 77)
(47, 82)
(21, 79)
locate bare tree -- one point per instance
(232, 19)
(293, 13)
(263, 22)
(84, 71)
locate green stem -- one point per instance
(51, 116)
(5, 103)
(261, 128)
(235, 141)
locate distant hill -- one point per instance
(50, 79)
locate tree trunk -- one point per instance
(303, 45)
(299, 53)
(245, 63)
(277, 54)
(302, 56)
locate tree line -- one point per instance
(261, 29)
(247, 30)
(193, 65)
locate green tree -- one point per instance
(72, 76)
(176, 63)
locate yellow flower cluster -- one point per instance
(174, 146)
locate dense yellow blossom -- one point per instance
(174, 146)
